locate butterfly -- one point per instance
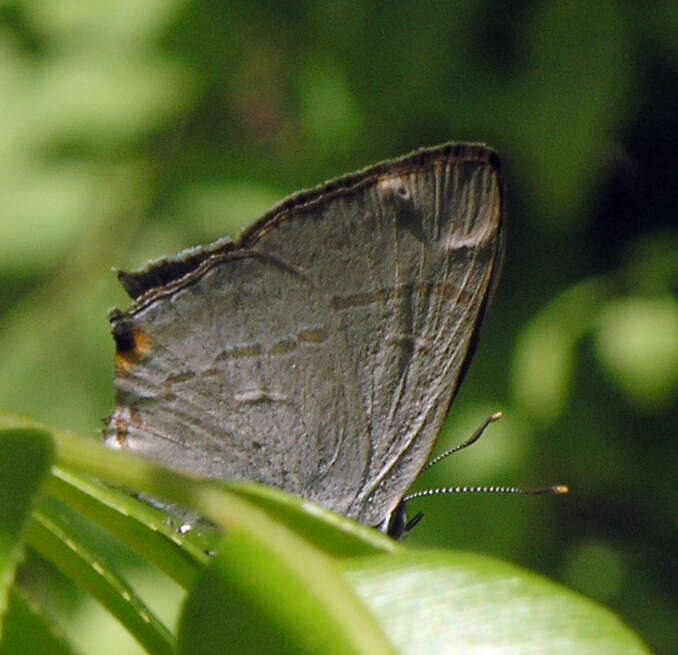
(321, 351)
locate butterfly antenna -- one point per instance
(471, 440)
(439, 491)
(553, 490)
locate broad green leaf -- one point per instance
(259, 597)
(442, 603)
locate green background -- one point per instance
(131, 130)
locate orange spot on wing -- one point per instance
(143, 344)
(123, 364)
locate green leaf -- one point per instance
(441, 603)
(50, 535)
(327, 531)
(276, 586)
(24, 618)
(26, 458)
(141, 527)
(258, 596)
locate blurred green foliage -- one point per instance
(131, 130)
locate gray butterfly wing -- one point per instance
(225, 375)
(326, 348)
(408, 256)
